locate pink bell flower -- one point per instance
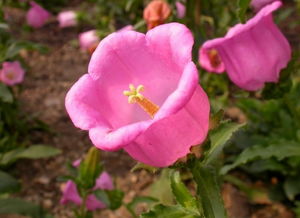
(89, 40)
(70, 192)
(67, 19)
(252, 54)
(126, 28)
(158, 126)
(259, 4)
(180, 8)
(36, 15)
(12, 73)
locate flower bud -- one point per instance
(90, 168)
(156, 13)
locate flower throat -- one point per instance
(134, 96)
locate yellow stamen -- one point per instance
(134, 96)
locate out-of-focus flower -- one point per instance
(67, 19)
(126, 28)
(180, 8)
(89, 40)
(36, 15)
(252, 54)
(156, 12)
(70, 192)
(159, 64)
(11, 73)
(259, 4)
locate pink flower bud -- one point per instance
(70, 192)
(259, 4)
(67, 19)
(89, 40)
(11, 73)
(36, 15)
(180, 9)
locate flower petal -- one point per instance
(185, 90)
(172, 42)
(83, 105)
(170, 138)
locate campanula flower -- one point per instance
(67, 19)
(89, 40)
(180, 8)
(156, 12)
(252, 54)
(36, 15)
(142, 94)
(11, 73)
(126, 28)
(259, 4)
(70, 192)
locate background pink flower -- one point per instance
(259, 4)
(11, 73)
(88, 40)
(252, 54)
(161, 62)
(36, 15)
(70, 193)
(67, 19)
(180, 8)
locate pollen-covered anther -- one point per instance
(134, 96)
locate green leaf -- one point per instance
(161, 188)
(162, 211)
(139, 166)
(182, 194)
(208, 190)
(137, 200)
(32, 152)
(16, 47)
(111, 198)
(218, 138)
(8, 183)
(280, 151)
(291, 187)
(5, 94)
(242, 9)
(19, 206)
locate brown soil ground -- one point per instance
(49, 77)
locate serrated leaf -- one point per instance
(208, 190)
(5, 94)
(242, 9)
(291, 187)
(182, 194)
(8, 183)
(280, 151)
(137, 200)
(19, 206)
(32, 152)
(162, 211)
(111, 198)
(161, 188)
(218, 138)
